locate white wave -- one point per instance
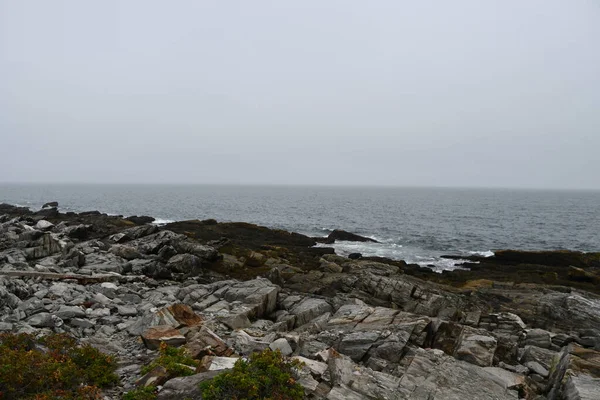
(395, 251)
(488, 253)
(161, 221)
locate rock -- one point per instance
(126, 252)
(206, 342)
(282, 345)
(538, 338)
(205, 253)
(328, 266)
(214, 363)
(68, 312)
(576, 375)
(537, 368)
(542, 356)
(127, 311)
(156, 377)
(508, 379)
(81, 323)
(447, 337)
(185, 264)
(186, 387)
(309, 309)
(47, 245)
(44, 225)
(341, 235)
(42, 320)
(357, 344)
(354, 256)
(236, 321)
(476, 349)
(141, 220)
(50, 204)
(163, 333)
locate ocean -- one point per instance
(413, 224)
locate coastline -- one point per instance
(511, 325)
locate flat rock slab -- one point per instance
(154, 336)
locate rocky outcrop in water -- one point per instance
(364, 328)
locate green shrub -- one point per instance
(265, 376)
(174, 360)
(141, 393)
(52, 367)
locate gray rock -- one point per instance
(537, 368)
(185, 264)
(576, 375)
(309, 309)
(127, 311)
(356, 345)
(44, 225)
(476, 349)
(68, 312)
(542, 356)
(282, 345)
(41, 320)
(81, 323)
(126, 252)
(186, 387)
(537, 337)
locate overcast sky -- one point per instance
(428, 93)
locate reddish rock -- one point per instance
(163, 333)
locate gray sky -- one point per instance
(442, 93)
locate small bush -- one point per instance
(142, 393)
(174, 360)
(265, 376)
(53, 367)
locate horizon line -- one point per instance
(319, 185)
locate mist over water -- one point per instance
(413, 224)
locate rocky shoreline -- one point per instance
(516, 325)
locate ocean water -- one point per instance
(413, 224)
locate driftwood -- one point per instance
(82, 279)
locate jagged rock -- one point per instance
(45, 246)
(154, 336)
(536, 354)
(309, 309)
(206, 342)
(357, 344)
(177, 315)
(576, 375)
(476, 349)
(50, 204)
(537, 368)
(185, 264)
(205, 253)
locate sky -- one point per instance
(469, 93)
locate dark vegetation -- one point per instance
(265, 376)
(52, 367)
